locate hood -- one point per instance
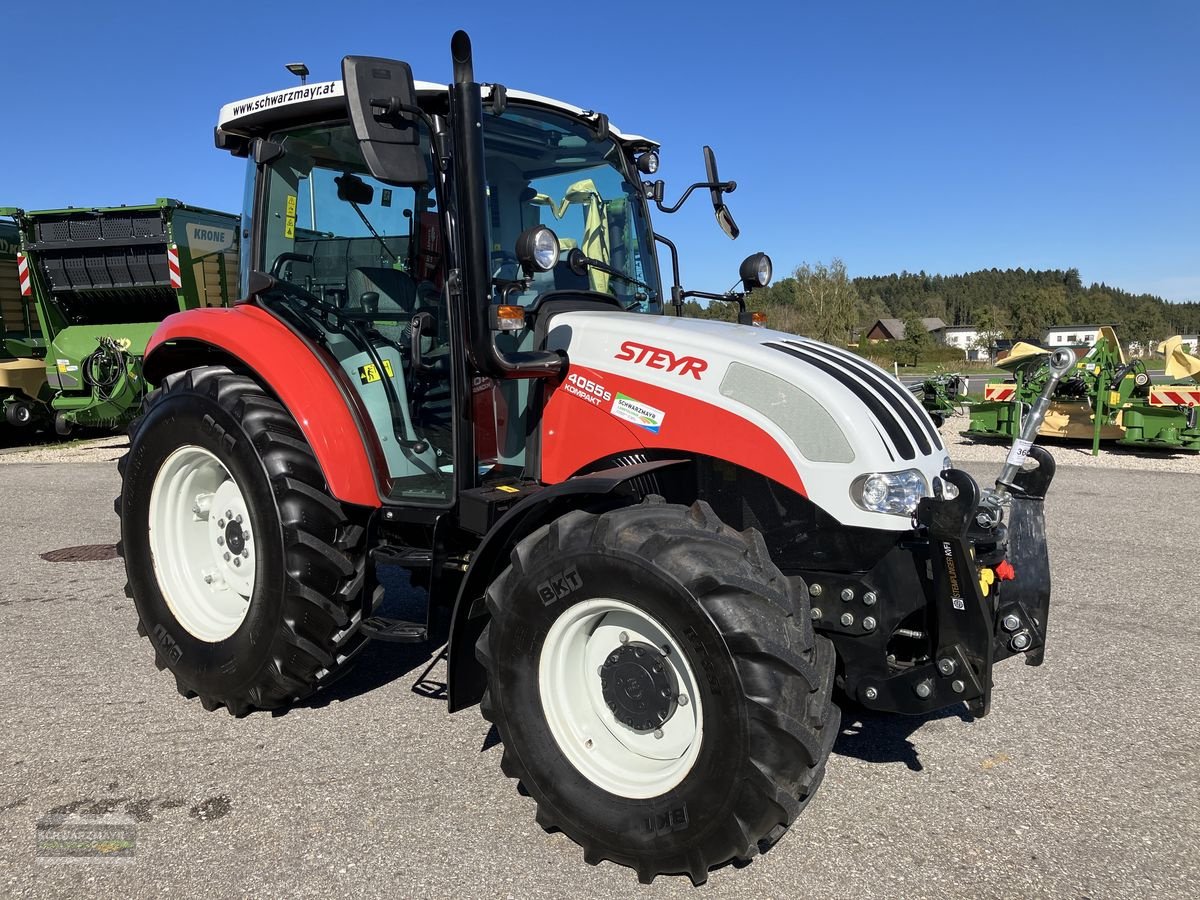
(834, 414)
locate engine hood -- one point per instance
(763, 399)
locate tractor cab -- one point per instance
(362, 264)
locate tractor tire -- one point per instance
(263, 608)
(658, 687)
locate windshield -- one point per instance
(544, 168)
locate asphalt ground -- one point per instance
(1083, 782)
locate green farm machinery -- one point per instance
(1103, 398)
(100, 280)
(942, 394)
(24, 393)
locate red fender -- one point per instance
(580, 425)
(304, 385)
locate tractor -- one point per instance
(662, 544)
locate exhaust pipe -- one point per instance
(460, 53)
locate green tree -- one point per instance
(915, 342)
(829, 303)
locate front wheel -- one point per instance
(658, 687)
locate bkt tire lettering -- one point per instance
(658, 358)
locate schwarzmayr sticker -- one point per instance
(638, 413)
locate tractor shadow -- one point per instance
(886, 738)
(382, 662)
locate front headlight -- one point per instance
(893, 493)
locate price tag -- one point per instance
(1019, 452)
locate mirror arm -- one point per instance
(393, 107)
(676, 289)
(725, 187)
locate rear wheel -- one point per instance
(245, 572)
(658, 687)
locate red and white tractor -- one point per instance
(665, 542)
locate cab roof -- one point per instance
(254, 116)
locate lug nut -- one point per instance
(208, 579)
(229, 513)
(658, 733)
(815, 612)
(238, 518)
(870, 693)
(245, 554)
(847, 594)
(868, 623)
(683, 699)
(1020, 641)
(946, 666)
(816, 590)
(1011, 622)
(237, 560)
(226, 556)
(957, 686)
(220, 523)
(220, 541)
(869, 598)
(923, 689)
(623, 637)
(847, 619)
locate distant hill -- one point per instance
(1010, 302)
(1025, 303)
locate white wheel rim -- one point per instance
(623, 761)
(202, 544)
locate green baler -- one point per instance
(102, 279)
(24, 393)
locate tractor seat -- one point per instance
(397, 296)
(397, 291)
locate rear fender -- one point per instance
(325, 408)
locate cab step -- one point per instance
(400, 631)
(406, 557)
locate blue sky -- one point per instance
(943, 137)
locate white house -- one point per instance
(1071, 335)
(965, 338)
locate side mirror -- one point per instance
(724, 217)
(379, 95)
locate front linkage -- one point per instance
(965, 590)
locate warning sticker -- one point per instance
(289, 220)
(369, 373)
(639, 414)
(508, 489)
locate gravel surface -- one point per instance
(1083, 782)
(91, 450)
(1066, 452)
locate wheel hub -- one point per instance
(235, 540)
(201, 543)
(637, 686)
